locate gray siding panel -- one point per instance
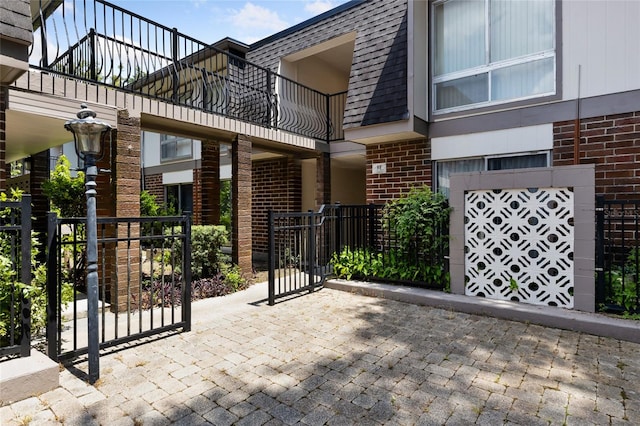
(378, 80)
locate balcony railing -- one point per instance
(97, 41)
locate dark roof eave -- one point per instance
(307, 23)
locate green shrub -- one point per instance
(416, 221)
(206, 250)
(66, 193)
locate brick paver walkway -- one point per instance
(338, 358)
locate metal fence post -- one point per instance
(52, 286)
(311, 257)
(25, 266)
(92, 60)
(600, 280)
(186, 291)
(175, 81)
(271, 258)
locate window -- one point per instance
(175, 148)
(180, 197)
(492, 51)
(445, 168)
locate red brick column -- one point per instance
(241, 204)
(4, 98)
(210, 178)
(120, 197)
(408, 165)
(323, 179)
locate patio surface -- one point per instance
(334, 357)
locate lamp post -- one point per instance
(87, 136)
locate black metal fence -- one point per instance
(302, 246)
(144, 269)
(15, 269)
(618, 255)
(97, 41)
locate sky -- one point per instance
(211, 20)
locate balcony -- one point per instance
(99, 42)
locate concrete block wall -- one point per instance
(580, 178)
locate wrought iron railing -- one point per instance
(97, 41)
(618, 255)
(15, 269)
(303, 247)
(144, 269)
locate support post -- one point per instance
(92, 271)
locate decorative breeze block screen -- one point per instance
(519, 245)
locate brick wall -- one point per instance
(408, 165)
(153, 185)
(276, 185)
(610, 142)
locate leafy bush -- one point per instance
(206, 250)
(66, 193)
(416, 222)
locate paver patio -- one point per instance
(333, 357)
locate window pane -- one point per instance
(520, 27)
(446, 168)
(459, 35)
(517, 162)
(463, 91)
(531, 78)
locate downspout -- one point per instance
(576, 124)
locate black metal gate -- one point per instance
(15, 267)
(144, 269)
(618, 255)
(300, 249)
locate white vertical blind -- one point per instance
(460, 29)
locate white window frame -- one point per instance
(488, 68)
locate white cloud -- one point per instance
(317, 7)
(257, 18)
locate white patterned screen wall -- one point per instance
(519, 245)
